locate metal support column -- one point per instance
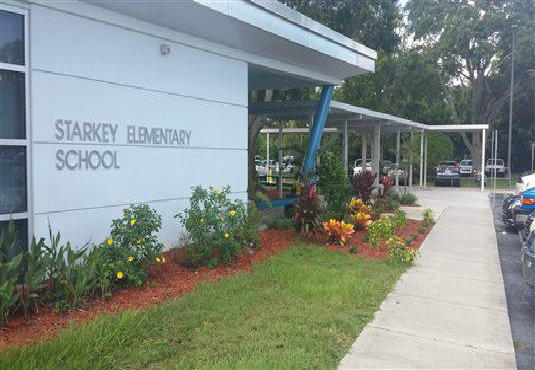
(410, 158)
(483, 133)
(376, 152)
(426, 138)
(398, 139)
(314, 140)
(364, 150)
(280, 160)
(268, 167)
(421, 158)
(346, 153)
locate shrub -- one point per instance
(36, 263)
(382, 200)
(10, 262)
(407, 199)
(217, 228)
(338, 231)
(333, 183)
(398, 250)
(363, 185)
(307, 210)
(393, 201)
(137, 231)
(409, 240)
(400, 219)
(281, 224)
(359, 213)
(381, 229)
(428, 219)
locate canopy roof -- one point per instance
(357, 118)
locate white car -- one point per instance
(465, 168)
(495, 165)
(357, 166)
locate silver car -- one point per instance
(465, 167)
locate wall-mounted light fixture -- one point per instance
(165, 49)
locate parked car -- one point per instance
(527, 227)
(495, 165)
(465, 167)
(357, 166)
(386, 166)
(519, 208)
(528, 260)
(448, 174)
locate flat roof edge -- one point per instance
(301, 20)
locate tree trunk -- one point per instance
(475, 151)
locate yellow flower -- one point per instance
(133, 222)
(138, 240)
(233, 213)
(202, 219)
(217, 191)
(222, 218)
(109, 241)
(158, 259)
(163, 259)
(130, 258)
(227, 234)
(120, 275)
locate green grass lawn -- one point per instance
(300, 310)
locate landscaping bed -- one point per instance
(300, 310)
(167, 281)
(365, 250)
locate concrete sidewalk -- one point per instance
(449, 310)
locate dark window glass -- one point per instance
(21, 235)
(12, 105)
(11, 37)
(12, 179)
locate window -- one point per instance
(11, 38)
(12, 105)
(14, 143)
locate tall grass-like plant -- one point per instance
(36, 263)
(307, 210)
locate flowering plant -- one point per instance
(359, 213)
(400, 252)
(338, 231)
(217, 228)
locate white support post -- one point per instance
(364, 150)
(376, 152)
(483, 159)
(421, 159)
(280, 159)
(410, 159)
(398, 139)
(268, 168)
(426, 138)
(346, 153)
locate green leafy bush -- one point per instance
(381, 229)
(428, 219)
(407, 199)
(334, 184)
(281, 224)
(10, 263)
(36, 263)
(398, 251)
(399, 219)
(217, 228)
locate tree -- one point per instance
(468, 41)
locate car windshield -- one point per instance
(466, 162)
(495, 162)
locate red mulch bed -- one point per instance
(168, 281)
(381, 252)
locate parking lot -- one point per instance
(520, 297)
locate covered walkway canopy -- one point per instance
(345, 118)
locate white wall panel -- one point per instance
(93, 225)
(73, 45)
